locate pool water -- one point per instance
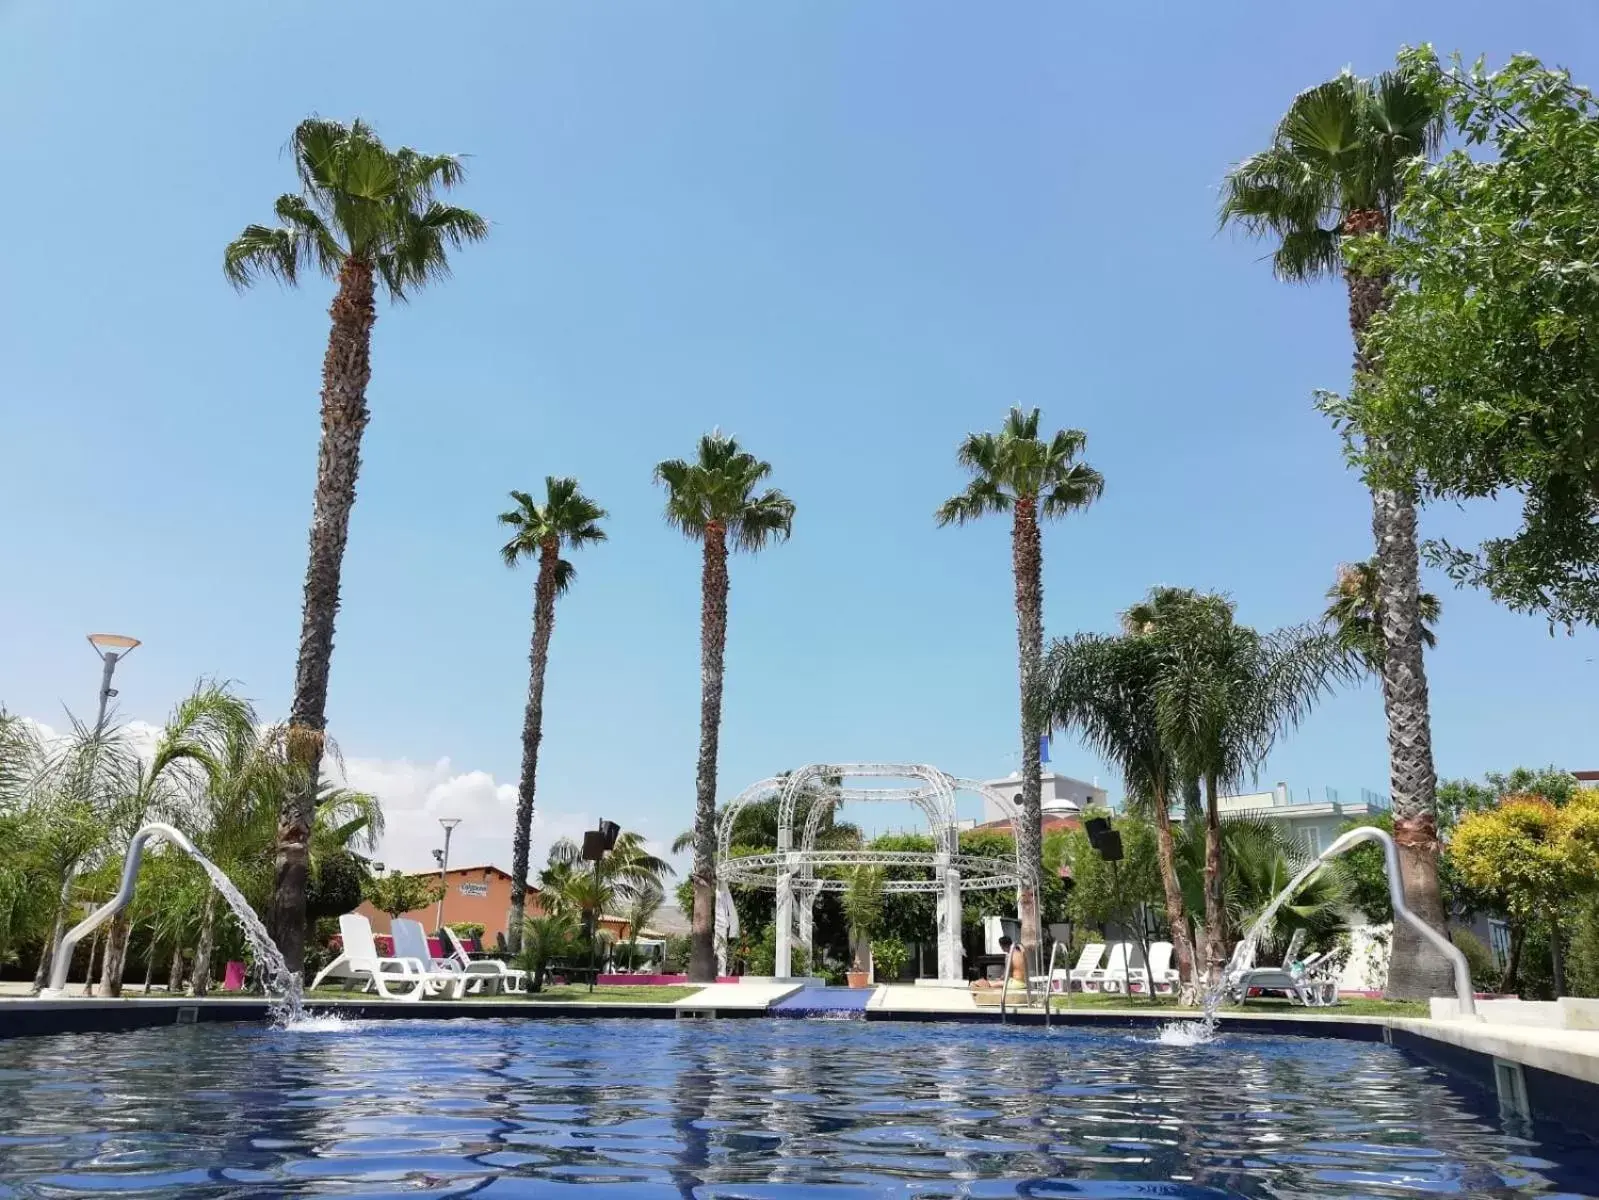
(756, 1109)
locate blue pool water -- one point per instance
(755, 1109)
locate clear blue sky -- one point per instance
(848, 233)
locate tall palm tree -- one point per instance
(1333, 172)
(1354, 613)
(540, 531)
(1104, 687)
(1015, 471)
(1224, 693)
(364, 213)
(717, 500)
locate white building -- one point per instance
(1060, 795)
(1313, 817)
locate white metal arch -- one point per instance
(791, 871)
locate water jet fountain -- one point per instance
(1191, 1032)
(278, 977)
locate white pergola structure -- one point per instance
(792, 870)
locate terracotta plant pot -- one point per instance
(856, 979)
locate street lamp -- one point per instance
(449, 824)
(112, 649)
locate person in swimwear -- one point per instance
(1015, 963)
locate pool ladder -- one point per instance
(1049, 983)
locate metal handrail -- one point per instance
(1049, 982)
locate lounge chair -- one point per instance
(391, 978)
(1087, 964)
(1159, 975)
(1114, 975)
(1309, 982)
(491, 974)
(439, 978)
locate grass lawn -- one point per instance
(1261, 1004)
(564, 994)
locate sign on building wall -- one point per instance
(474, 889)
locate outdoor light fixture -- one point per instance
(112, 649)
(449, 824)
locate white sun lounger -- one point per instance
(487, 974)
(1312, 985)
(1114, 975)
(411, 943)
(1087, 964)
(391, 978)
(1160, 974)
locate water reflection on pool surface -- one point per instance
(751, 1108)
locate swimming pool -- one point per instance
(754, 1109)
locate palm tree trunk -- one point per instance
(175, 969)
(1215, 901)
(116, 953)
(346, 369)
(1176, 916)
(1416, 970)
(532, 735)
(1027, 561)
(1507, 984)
(713, 652)
(57, 929)
(202, 949)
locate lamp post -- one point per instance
(112, 649)
(596, 845)
(449, 824)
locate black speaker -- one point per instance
(1110, 846)
(609, 830)
(594, 845)
(1096, 828)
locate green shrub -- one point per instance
(674, 959)
(466, 929)
(1484, 973)
(762, 955)
(1582, 956)
(889, 955)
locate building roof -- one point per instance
(1051, 821)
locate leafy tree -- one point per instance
(863, 909)
(397, 893)
(1489, 344)
(1105, 689)
(1017, 472)
(541, 531)
(717, 499)
(642, 905)
(1332, 176)
(364, 213)
(889, 955)
(1531, 858)
(1354, 613)
(587, 890)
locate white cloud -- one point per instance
(415, 795)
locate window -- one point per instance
(1499, 941)
(1311, 838)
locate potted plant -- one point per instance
(863, 909)
(888, 957)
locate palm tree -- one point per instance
(1261, 858)
(1354, 613)
(642, 906)
(1223, 695)
(363, 213)
(1018, 472)
(566, 518)
(717, 500)
(1104, 688)
(1334, 170)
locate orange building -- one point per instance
(481, 896)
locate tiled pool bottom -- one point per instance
(760, 1110)
(831, 1003)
